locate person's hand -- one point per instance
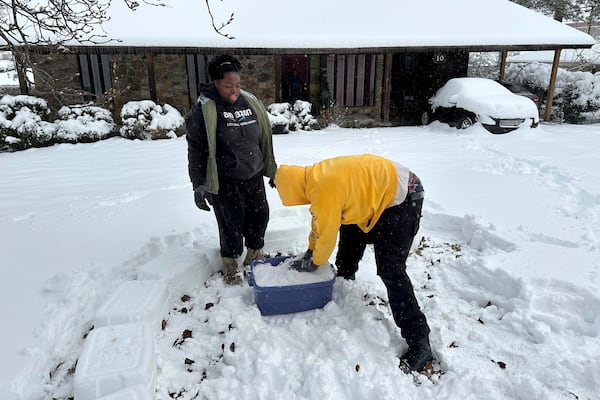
(200, 198)
(272, 182)
(304, 264)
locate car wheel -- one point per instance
(425, 118)
(464, 122)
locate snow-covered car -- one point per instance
(461, 102)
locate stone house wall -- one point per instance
(258, 77)
(60, 82)
(133, 74)
(130, 80)
(170, 76)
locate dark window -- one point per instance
(351, 79)
(197, 74)
(95, 75)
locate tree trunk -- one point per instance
(21, 69)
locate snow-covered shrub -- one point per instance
(23, 123)
(576, 94)
(83, 123)
(146, 120)
(304, 120)
(285, 117)
(279, 115)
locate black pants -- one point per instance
(392, 237)
(242, 212)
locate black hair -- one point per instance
(222, 64)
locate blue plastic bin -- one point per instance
(272, 300)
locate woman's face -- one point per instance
(229, 87)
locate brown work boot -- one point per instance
(253, 255)
(230, 274)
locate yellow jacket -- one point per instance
(340, 190)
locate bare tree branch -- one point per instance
(219, 29)
(26, 25)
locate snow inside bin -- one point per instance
(272, 300)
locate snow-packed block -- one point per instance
(287, 230)
(115, 358)
(136, 392)
(135, 301)
(181, 268)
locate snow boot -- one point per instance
(253, 255)
(230, 274)
(418, 357)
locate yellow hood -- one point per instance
(290, 181)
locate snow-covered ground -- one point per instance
(506, 267)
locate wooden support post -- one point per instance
(277, 61)
(503, 56)
(552, 85)
(387, 86)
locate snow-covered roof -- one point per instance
(322, 24)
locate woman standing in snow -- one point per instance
(368, 199)
(229, 151)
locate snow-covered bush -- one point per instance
(304, 120)
(285, 117)
(279, 115)
(146, 120)
(83, 123)
(23, 123)
(576, 95)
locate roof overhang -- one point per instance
(275, 51)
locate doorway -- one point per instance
(294, 78)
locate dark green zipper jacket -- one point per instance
(202, 141)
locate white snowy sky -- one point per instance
(508, 272)
(351, 24)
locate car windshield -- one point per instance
(480, 87)
(513, 87)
